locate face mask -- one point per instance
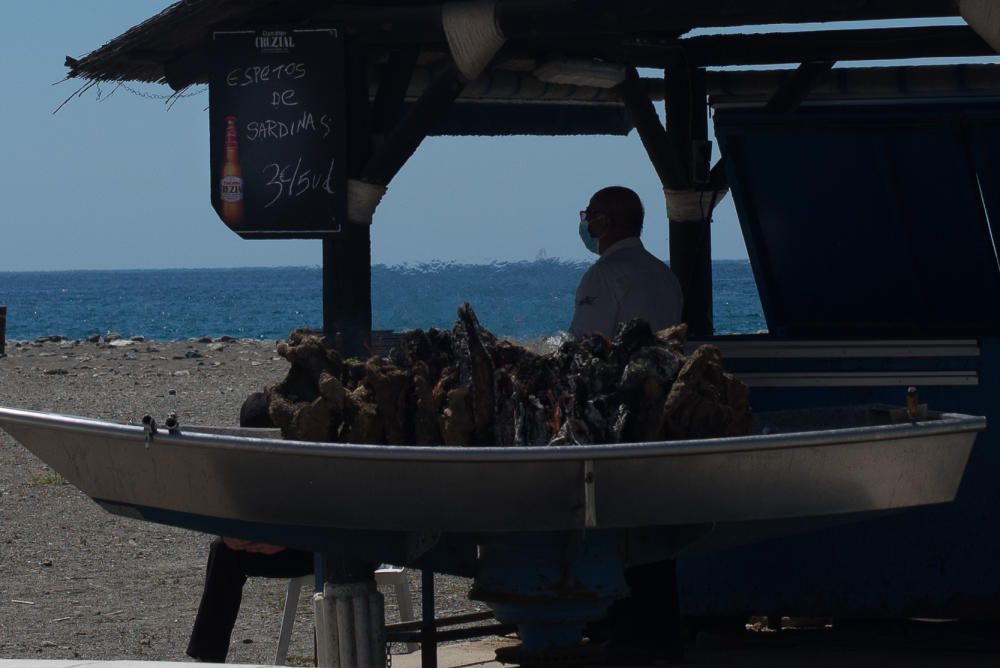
(589, 240)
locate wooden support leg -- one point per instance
(640, 108)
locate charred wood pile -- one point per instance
(466, 387)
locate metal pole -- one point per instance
(428, 630)
(3, 331)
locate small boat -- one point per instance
(798, 464)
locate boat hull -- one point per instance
(271, 482)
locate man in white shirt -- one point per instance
(627, 281)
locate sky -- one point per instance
(122, 182)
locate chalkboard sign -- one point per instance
(276, 107)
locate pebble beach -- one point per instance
(79, 583)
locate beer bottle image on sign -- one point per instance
(231, 183)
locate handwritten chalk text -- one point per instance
(256, 74)
(291, 180)
(277, 130)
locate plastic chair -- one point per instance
(386, 575)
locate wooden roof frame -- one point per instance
(172, 47)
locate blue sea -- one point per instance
(520, 300)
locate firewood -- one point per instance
(464, 387)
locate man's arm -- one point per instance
(596, 306)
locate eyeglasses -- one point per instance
(587, 216)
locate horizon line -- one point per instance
(316, 266)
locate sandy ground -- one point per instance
(76, 582)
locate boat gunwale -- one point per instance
(944, 423)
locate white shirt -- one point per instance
(626, 282)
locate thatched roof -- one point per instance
(142, 52)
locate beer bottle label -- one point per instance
(232, 189)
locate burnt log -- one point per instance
(464, 387)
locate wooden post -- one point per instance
(3, 331)
(672, 153)
(690, 241)
(347, 308)
(691, 262)
(347, 264)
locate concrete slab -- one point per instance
(480, 654)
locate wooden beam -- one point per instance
(796, 88)
(661, 153)
(798, 47)
(403, 140)
(521, 19)
(394, 80)
(757, 87)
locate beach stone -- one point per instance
(137, 339)
(121, 343)
(111, 336)
(55, 372)
(225, 339)
(217, 347)
(96, 338)
(205, 339)
(192, 354)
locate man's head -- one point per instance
(614, 214)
